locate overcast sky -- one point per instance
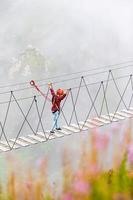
(70, 34)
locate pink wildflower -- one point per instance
(93, 169)
(130, 154)
(40, 162)
(81, 187)
(79, 174)
(28, 185)
(67, 196)
(101, 141)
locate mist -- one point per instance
(40, 38)
(69, 34)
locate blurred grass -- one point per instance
(88, 181)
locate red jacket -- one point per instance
(56, 100)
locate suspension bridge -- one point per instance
(26, 120)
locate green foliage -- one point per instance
(87, 182)
(47, 197)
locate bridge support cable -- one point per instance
(42, 111)
(122, 97)
(132, 91)
(105, 91)
(61, 110)
(117, 89)
(74, 103)
(106, 103)
(7, 111)
(92, 120)
(90, 97)
(74, 108)
(22, 125)
(93, 103)
(40, 117)
(8, 144)
(23, 113)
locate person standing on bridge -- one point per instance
(57, 97)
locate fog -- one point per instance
(69, 34)
(44, 38)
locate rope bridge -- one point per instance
(86, 106)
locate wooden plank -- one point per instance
(58, 134)
(128, 112)
(105, 121)
(94, 122)
(77, 127)
(16, 146)
(22, 143)
(4, 148)
(50, 136)
(116, 116)
(123, 114)
(71, 129)
(87, 125)
(47, 134)
(37, 138)
(28, 140)
(64, 132)
(41, 134)
(109, 118)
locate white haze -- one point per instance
(69, 34)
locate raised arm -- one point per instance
(51, 89)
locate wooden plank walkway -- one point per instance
(40, 137)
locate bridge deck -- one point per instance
(31, 139)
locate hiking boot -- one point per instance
(58, 129)
(52, 131)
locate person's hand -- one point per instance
(66, 92)
(50, 85)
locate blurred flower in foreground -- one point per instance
(28, 185)
(81, 187)
(130, 154)
(67, 196)
(100, 141)
(86, 180)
